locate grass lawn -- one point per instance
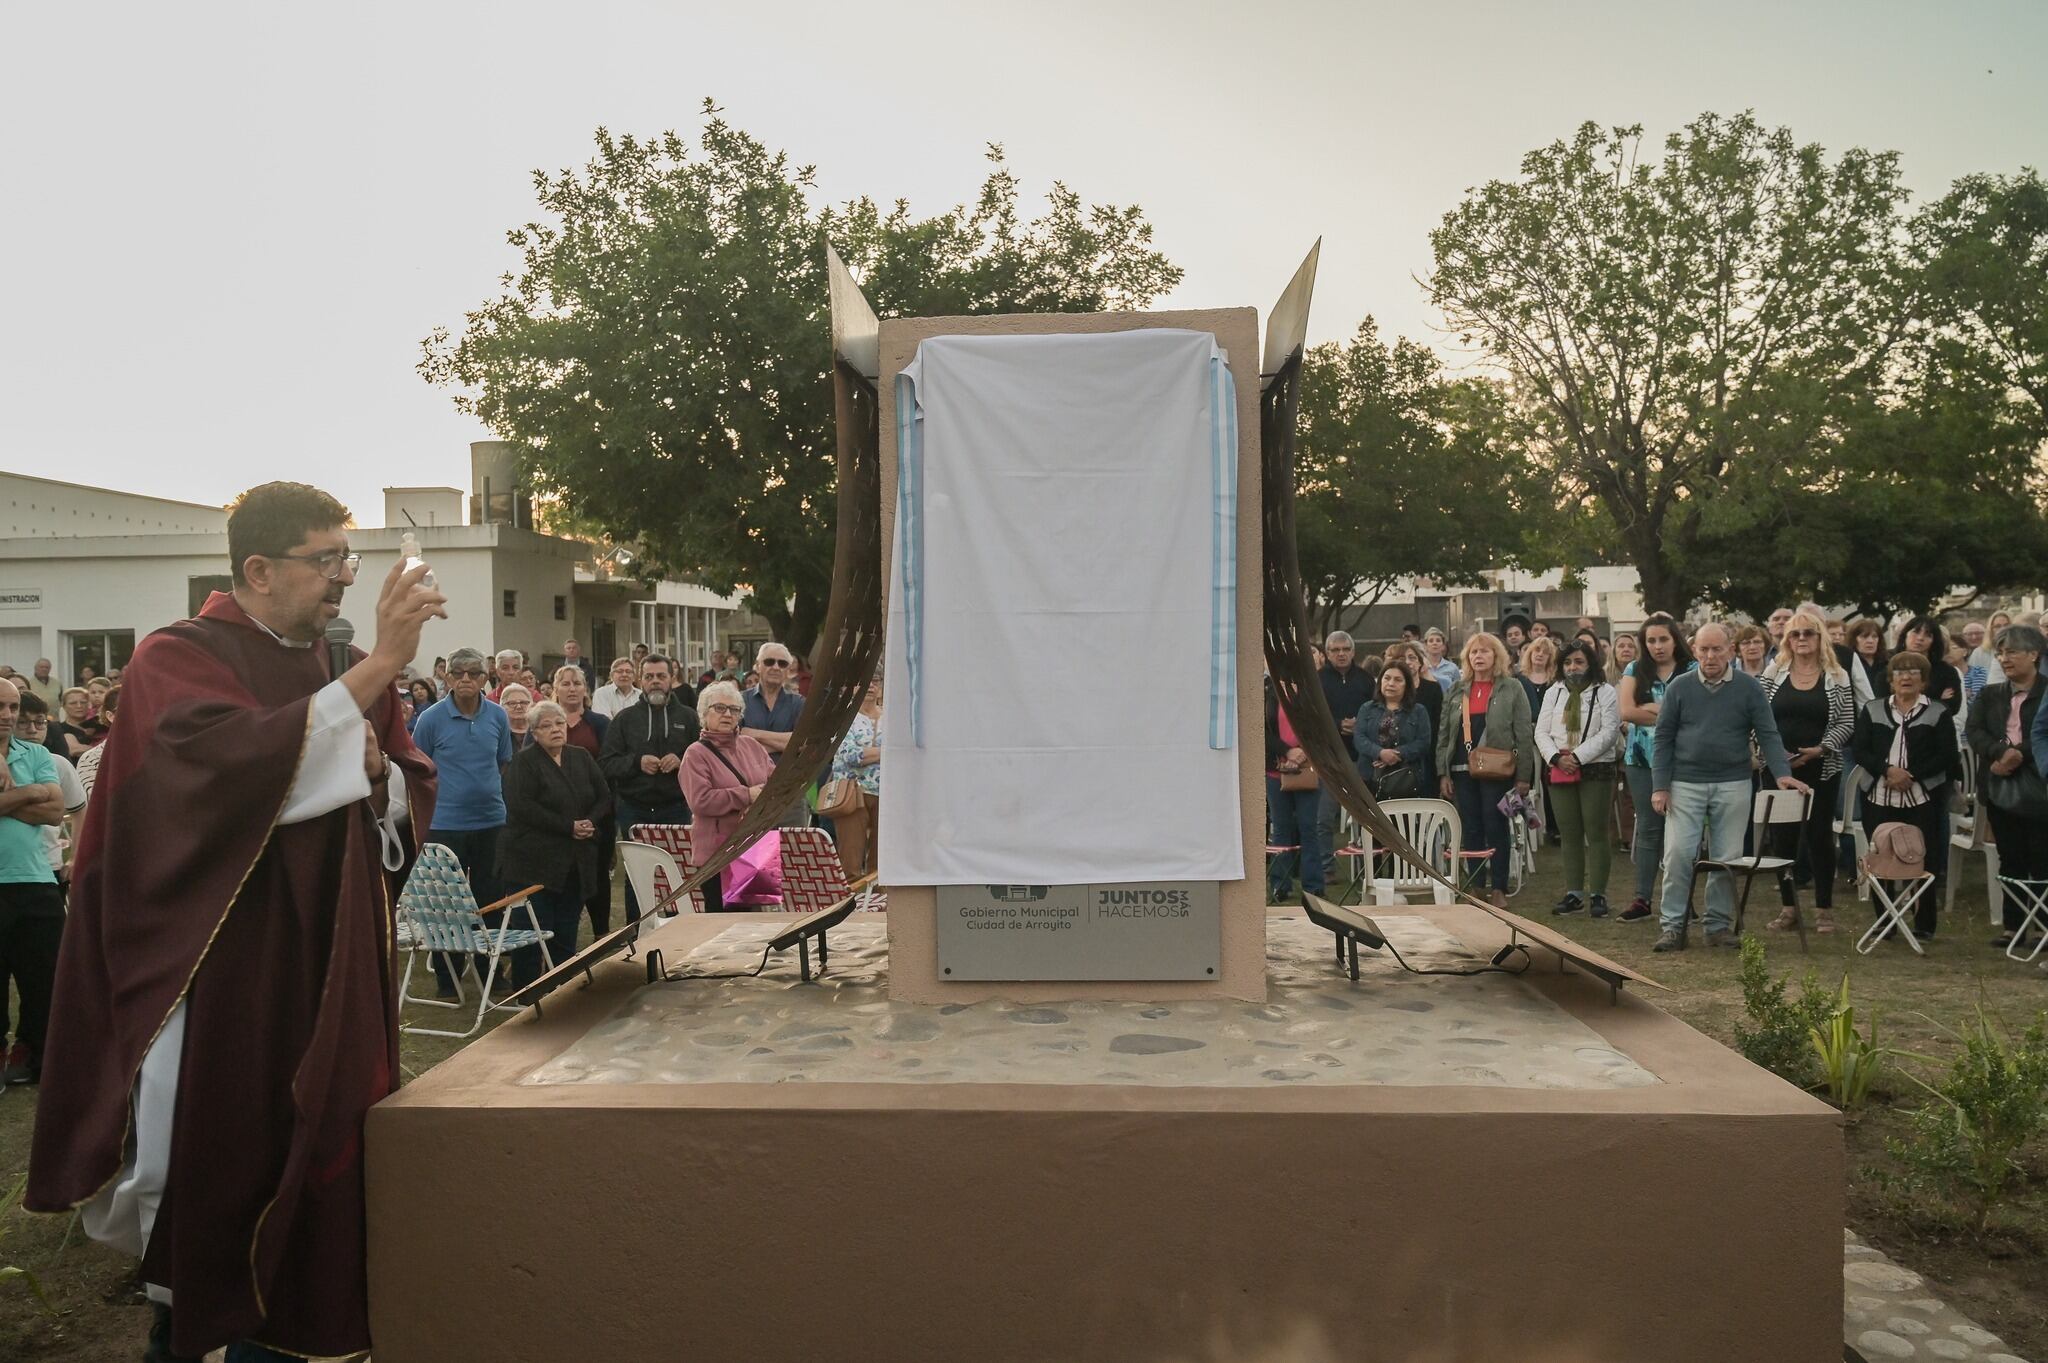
(2001, 1282)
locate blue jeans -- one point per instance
(625, 815)
(477, 850)
(1647, 850)
(1292, 814)
(1486, 828)
(1719, 811)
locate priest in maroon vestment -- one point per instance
(225, 1011)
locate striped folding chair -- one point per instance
(439, 916)
(814, 878)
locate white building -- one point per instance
(85, 572)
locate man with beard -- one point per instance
(225, 1009)
(642, 757)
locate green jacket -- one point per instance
(1508, 725)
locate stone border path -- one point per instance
(1887, 1314)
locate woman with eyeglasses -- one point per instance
(1944, 683)
(556, 798)
(2001, 733)
(1908, 759)
(722, 774)
(1815, 706)
(518, 703)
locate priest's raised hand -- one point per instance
(404, 605)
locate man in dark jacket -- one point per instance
(1347, 685)
(643, 756)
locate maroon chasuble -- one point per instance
(279, 941)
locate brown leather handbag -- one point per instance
(1302, 777)
(840, 797)
(1482, 763)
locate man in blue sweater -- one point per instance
(1700, 771)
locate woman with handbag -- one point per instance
(1293, 795)
(722, 773)
(1579, 737)
(1907, 760)
(1486, 749)
(1814, 703)
(848, 798)
(2000, 732)
(1392, 737)
(556, 798)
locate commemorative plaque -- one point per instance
(1148, 930)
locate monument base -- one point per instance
(1409, 1167)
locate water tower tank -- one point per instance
(498, 494)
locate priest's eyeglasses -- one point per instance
(328, 563)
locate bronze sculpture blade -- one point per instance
(1286, 635)
(849, 644)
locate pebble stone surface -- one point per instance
(1317, 1027)
(1888, 1312)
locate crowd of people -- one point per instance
(537, 778)
(1657, 741)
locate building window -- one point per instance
(197, 589)
(561, 608)
(511, 603)
(98, 649)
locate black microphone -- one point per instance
(340, 634)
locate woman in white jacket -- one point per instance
(1578, 735)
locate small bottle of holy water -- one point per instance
(409, 549)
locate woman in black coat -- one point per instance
(2008, 775)
(555, 800)
(1907, 760)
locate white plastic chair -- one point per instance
(1967, 824)
(440, 917)
(1432, 828)
(1851, 823)
(654, 873)
(674, 839)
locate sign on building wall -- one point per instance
(21, 598)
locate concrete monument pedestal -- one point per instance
(1405, 1168)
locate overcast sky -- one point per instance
(226, 227)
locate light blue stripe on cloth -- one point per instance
(910, 513)
(1222, 554)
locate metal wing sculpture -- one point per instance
(1287, 639)
(850, 642)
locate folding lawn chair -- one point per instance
(1895, 900)
(2032, 897)
(813, 876)
(440, 917)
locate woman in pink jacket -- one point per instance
(722, 773)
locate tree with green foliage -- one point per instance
(1932, 480)
(1684, 329)
(1404, 471)
(662, 353)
